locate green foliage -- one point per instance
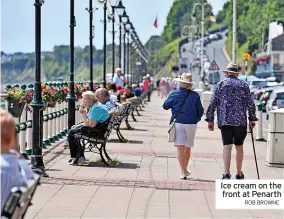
(20, 67)
(253, 20)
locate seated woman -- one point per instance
(97, 115)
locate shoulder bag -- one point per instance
(172, 130)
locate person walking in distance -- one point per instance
(232, 99)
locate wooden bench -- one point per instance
(20, 199)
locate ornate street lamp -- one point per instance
(37, 103)
(113, 6)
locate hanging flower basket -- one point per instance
(15, 108)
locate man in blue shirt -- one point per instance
(232, 100)
(96, 116)
(118, 78)
(103, 97)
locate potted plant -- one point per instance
(17, 99)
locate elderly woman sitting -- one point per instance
(187, 111)
(96, 116)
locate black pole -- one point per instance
(37, 103)
(128, 56)
(105, 29)
(124, 54)
(113, 45)
(132, 64)
(71, 95)
(91, 87)
(119, 61)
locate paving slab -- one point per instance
(145, 183)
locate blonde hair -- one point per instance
(185, 85)
(8, 132)
(90, 95)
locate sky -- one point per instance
(18, 22)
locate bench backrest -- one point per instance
(19, 200)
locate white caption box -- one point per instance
(249, 194)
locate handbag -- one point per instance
(172, 130)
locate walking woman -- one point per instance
(187, 111)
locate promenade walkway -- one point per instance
(145, 184)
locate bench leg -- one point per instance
(133, 117)
(105, 152)
(120, 136)
(140, 108)
(128, 125)
(102, 156)
(138, 112)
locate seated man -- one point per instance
(97, 115)
(128, 94)
(103, 97)
(14, 171)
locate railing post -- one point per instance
(29, 133)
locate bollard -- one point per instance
(29, 133)
(206, 96)
(259, 136)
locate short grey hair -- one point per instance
(102, 92)
(90, 95)
(185, 85)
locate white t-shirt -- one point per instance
(117, 80)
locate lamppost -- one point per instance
(37, 103)
(234, 51)
(91, 28)
(105, 30)
(113, 6)
(128, 28)
(71, 95)
(203, 4)
(124, 20)
(120, 11)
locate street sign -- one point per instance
(246, 56)
(214, 66)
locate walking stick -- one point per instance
(254, 152)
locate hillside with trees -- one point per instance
(253, 20)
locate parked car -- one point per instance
(276, 99)
(265, 97)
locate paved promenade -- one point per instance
(145, 182)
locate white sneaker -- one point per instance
(187, 173)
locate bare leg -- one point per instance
(227, 149)
(239, 158)
(180, 150)
(186, 157)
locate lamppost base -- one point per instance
(37, 165)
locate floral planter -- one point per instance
(15, 108)
(52, 105)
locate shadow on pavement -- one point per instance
(117, 165)
(135, 129)
(128, 141)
